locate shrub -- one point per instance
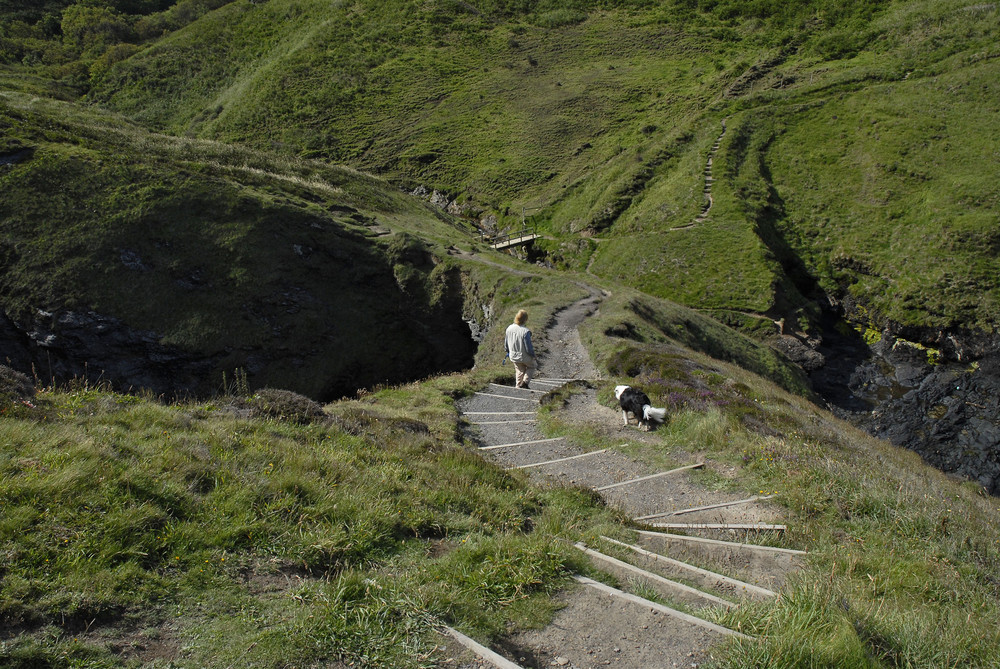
(114, 54)
(284, 405)
(14, 386)
(90, 27)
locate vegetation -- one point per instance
(599, 117)
(218, 538)
(851, 124)
(247, 528)
(902, 559)
(189, 172)
(226, 251)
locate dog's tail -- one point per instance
(651, 412)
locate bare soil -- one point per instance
(596, 630)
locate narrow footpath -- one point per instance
(688, 544)
(709, 180)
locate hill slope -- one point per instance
(202, 259)
(848, 136)
(265, 530)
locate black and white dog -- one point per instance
(637, 403)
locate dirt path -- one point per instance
(564, 356)
(687, 566)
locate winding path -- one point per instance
(686, 574)
(709, 180)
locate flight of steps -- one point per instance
(685, 553)
(709, 179)
(709, 201)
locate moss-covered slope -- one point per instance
(118, 243)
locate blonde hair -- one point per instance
(521, 317)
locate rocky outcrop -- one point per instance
(936, 392)
(61, 345)
(323, 344)
(948, 413)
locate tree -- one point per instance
(93, 26)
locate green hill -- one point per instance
(858, 132)
(263, 529)
(213, 258)
(217, 202)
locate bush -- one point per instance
(114, 54)
(284, 405)
(14, 386)
(94, 27)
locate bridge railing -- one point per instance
(501, 239)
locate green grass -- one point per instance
(902, 559)
(226, 535)
(226, 251)
(597, 117)
(909, 216)
(251, 539)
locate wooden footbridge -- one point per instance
(518, 238)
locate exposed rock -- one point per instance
(439, 199)
(15, 157)
(466, 209)
(800, 352)
(935, 392)
(948, 413)
(489, 223)
(132, 261)
(62, 345)
(301, 344)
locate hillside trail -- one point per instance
(682, 549)
(707, 205)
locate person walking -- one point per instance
(517, 344)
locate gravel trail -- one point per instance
(600, 628)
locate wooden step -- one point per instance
(766, 566)
(664, 586)
(709, 507)
(482, 651)
(540, 392)
(520, 443)
(703, 577)
(558, 460)
(680, 615)
(610, 486)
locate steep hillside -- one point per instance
(166, 264)
(225, 207)
(263, 529)
(173, 264)
(598, 119)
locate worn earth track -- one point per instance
(689, 566)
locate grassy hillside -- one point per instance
(218, 212)
(248, 262)
(237, 258)
(189, 534)
(599, 118)
(252, 529)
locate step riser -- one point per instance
(768, 570)
(702, 581)
(672, 591)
